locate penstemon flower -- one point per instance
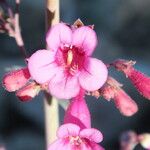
(112, 90)
(19, 81)
(72, 137)
(68, 65)
(16, 79)
(78, 112)
(76, 132)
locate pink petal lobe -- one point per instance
(67, 130)
(85, 38)
(64, 87)
(96, 146)
(94, 75)
(92, 134)
(59, 144)
(85, 146)
(16, 79)
(41, 66)
(57, 35)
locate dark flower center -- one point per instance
(71, 58)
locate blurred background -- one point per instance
(123, 29)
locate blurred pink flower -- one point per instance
(16, 79)
(67, 67)
(125, 103)
(19, 81)
(71, 137)
(28, 92)
(78, 112)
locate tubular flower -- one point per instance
(78, 112)
(19, 81)
(112, 90)
(67, 67)
(76, 132)
(71, 137)
(16, 79)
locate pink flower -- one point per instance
(16, 79)
(28, 92)
(139, 80)
(112, 90)
(76, 133)
(19, 81)
(67, 67)
(72, 137)
(125, 104)
(129, 140)
(78, 112)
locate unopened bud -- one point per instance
(112, 90)
(138, 79)
(125, 104)
(16, 79)
(28, 92)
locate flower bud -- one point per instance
(125, 104)
(138, 79)
(16, 79)
(28, 92)
(112, 90)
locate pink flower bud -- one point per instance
(78, 112)
(16, 79)
(112, 90)
(141, 82)
(28, 92)
(124, 65)
(138, 79)
(125, 104)
(109, 90)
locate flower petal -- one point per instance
(67, 130)
(96, 146)
(57, 35)
(92, 134)
(94, 75)
(59, 144)
(85, 38)
(41, 66)
(63, 86)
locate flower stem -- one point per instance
(51, 103)
(18, 36)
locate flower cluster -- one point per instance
(76, 132)
(67, 71)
